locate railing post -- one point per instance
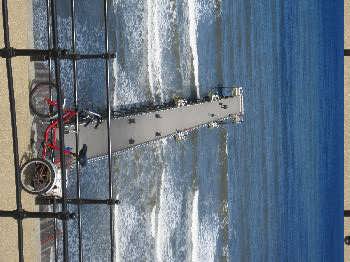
(13, 127)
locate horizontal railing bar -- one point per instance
(13, 52)
(76, 201)
(46, 54)
(346, 213)
(347, 240)
(19, 215)
(90, 56)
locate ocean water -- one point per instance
(269, 189)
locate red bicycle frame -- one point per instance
(67, 116)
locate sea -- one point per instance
(268, 189)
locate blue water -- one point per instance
(270, 189)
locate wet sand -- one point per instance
(20, 21)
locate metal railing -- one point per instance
(53, 54)
(347, 212)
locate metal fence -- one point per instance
(54, 55)
(347, 212)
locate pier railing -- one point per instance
(54, 55)
(347, 212)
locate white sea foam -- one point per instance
(201, 12)
(194, 228)
(117, 233)
(154, 26)
(153, 222)
(208, 235)
(168, 217)
(161, 226)
(193, 22)
(149, 48)
(129, 69)
(129, 218)
(125, 95)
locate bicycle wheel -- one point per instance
(37, 176)
(38, 100)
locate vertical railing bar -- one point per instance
(48, 24)
(75, 87)
(55, 230)
(111, 178)
(14, 128)
(346, 212)
(49, 45)
(60, 126)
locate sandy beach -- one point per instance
(20, 27)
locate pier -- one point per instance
(140, 128)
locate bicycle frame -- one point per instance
(68, 115)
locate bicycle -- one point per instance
(41, 176)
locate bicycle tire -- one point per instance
(37, 103)
(24, 179)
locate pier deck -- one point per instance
(132, 130)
